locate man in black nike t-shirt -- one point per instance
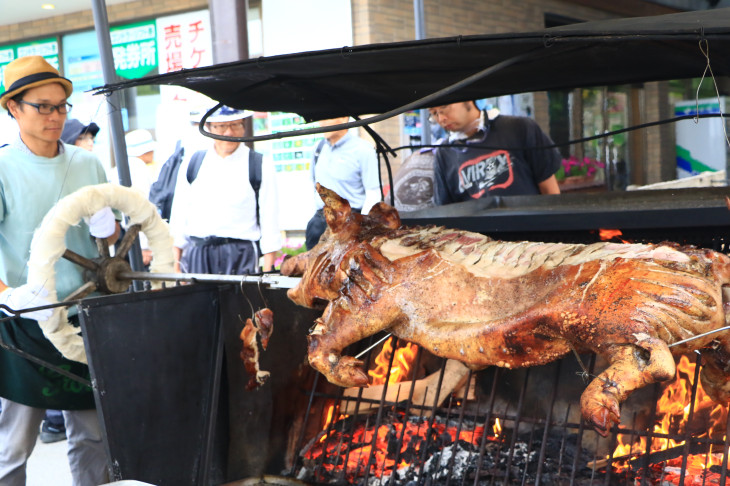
(502, 155)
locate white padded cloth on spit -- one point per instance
(48, 245)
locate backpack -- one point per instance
(255, 161)
(163, 190)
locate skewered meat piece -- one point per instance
(264, 326)
(483, 302)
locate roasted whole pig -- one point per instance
(483, 302)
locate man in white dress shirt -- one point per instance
(218, 225)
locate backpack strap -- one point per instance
(255, 162)
(315, 158)
(318, 151)
(194, 166)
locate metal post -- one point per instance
(101, 21)
(229, 25)
(420, 21)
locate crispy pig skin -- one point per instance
(483, 302)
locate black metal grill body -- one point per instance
(543, 439)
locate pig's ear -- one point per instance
(337, 212)
(385, 214)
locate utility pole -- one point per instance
(101, 21)
(229, 24)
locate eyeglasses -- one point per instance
(435, 113)
(224, 127)
(47, 108)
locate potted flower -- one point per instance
(574, 170)
(290, 249)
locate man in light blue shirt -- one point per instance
(36, 170)
(347, 165)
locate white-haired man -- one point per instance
(224, 214)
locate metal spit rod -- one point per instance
(273, 280)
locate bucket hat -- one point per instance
(73, 129)
(139, 142)
(226, 114)
(30, 72)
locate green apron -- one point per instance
(26, 382)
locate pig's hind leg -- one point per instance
(633, 366)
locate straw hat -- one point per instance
(29, 72)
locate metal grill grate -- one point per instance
(542, 440)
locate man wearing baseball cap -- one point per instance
(36, 170)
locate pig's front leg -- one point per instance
(356, 314)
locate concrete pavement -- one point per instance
(48, 465)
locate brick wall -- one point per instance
(117, 13)
(660, 152)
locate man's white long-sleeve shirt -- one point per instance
(221, 202)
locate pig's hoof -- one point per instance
(349, 372)
(602, 413)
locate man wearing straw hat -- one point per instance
(36, 170)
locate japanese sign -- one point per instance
(184, 41)
(134, 48)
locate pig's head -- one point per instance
(320, 267)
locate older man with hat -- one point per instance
(224, 214)
(36, 170)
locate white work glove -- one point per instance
(25, 297)
(103, 223)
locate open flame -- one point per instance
(610, 234)
(402, 361)
(673, 414)
(351, 450)
(352, 447)
(497, 427)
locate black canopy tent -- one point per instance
(378, 78)
(381, 78)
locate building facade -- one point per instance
(648, 156)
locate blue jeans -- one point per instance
(54, 418)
